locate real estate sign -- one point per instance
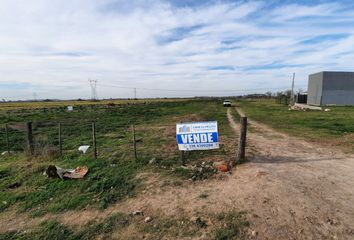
(197, 136)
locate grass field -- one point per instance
(111, 177)
(64, 104)
(334, 128)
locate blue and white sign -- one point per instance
(197, 136)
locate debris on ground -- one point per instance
(327, 110)
(202, 171)
(304, 107)
(138, 212)
(83, 148)
(14, 185)
(201, 222)
(225, 167)
(331, 221)
(6, 153)
(205, 170)
(148, 219)
(57, 172)
(254, 233)
(222, 166)
(152, 161)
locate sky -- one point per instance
(177, 48)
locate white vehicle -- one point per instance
(227, 103)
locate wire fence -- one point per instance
(53, 139)
(283, 99)
(111, 131)
(63, 137)
(130, 142)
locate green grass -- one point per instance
(53, 230)
(111, 177)
(106, 183)
(230, 225)
(335, 127)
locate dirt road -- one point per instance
(290, 189)
(308, 190)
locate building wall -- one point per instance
(338, 88)
(314, 90)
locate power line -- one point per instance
(189, 90)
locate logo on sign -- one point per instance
(184, 129)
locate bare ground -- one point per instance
(290, 189)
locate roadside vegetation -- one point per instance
(334, 127)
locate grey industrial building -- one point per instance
(327, 88)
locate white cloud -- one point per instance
(57, 45)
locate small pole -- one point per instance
(242, 142)
(134, 143)
(30, 144)
(94, 139)
(60, 141)
(292, 91)
(183, 158)
(7, 138)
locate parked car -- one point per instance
(227, 103)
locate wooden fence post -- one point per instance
(60, 141)
(7, 138)
(242, 142)
(94, 139)
(30, 143)
(134, 143)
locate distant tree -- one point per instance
(287, 93)
(269, 94)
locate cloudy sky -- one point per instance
(52, 47)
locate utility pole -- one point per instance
(134, 93)
(292, 91)
(93, 84)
